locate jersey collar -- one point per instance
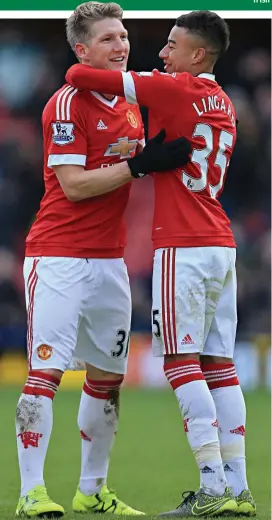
(207, 75)
(108, 102)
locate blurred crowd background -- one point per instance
(34, 56)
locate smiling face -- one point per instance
(183, 52)
(108, 47)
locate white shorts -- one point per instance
(194, 301)
(77, 308)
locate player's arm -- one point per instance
(150, 89)
(79, 184)
(66, 136)
(65, 131)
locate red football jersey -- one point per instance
(187, 212)
(84, 128)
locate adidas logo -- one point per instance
(101, 125)
(239, 431)
(206, 469)
(187, 340)
(227, 468)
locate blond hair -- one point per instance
(79, 24)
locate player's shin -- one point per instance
(97, 421)
(34, 420)
(231, 414)
(200, 423)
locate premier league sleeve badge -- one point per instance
(63, 133)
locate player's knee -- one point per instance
(215, 360)
(168, 358)
(96, 374)
(53, 372)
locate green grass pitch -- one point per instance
(151, 462)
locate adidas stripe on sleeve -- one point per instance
(65, 129)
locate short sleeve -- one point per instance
(65, 128)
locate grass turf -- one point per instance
(151, 462)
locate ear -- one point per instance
(81, 50)
(199, 55)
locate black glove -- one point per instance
(158, 156)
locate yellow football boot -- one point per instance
(246, 504)
(37, 503)
(105, 501)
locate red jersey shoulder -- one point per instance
(191, 83)
(206, 96)
(65, 110)
(177, 76)
(64, 122)
(62, 107)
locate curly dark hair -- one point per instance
(209, 26)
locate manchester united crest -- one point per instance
(44, 352)
(132, 119)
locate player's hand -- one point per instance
(158, 156)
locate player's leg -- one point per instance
(179, 295)
(103, 344)
(53, 297)
(220, 374)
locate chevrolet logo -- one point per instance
(123, 147)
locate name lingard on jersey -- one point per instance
(209, 103)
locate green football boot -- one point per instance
(202, 504)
